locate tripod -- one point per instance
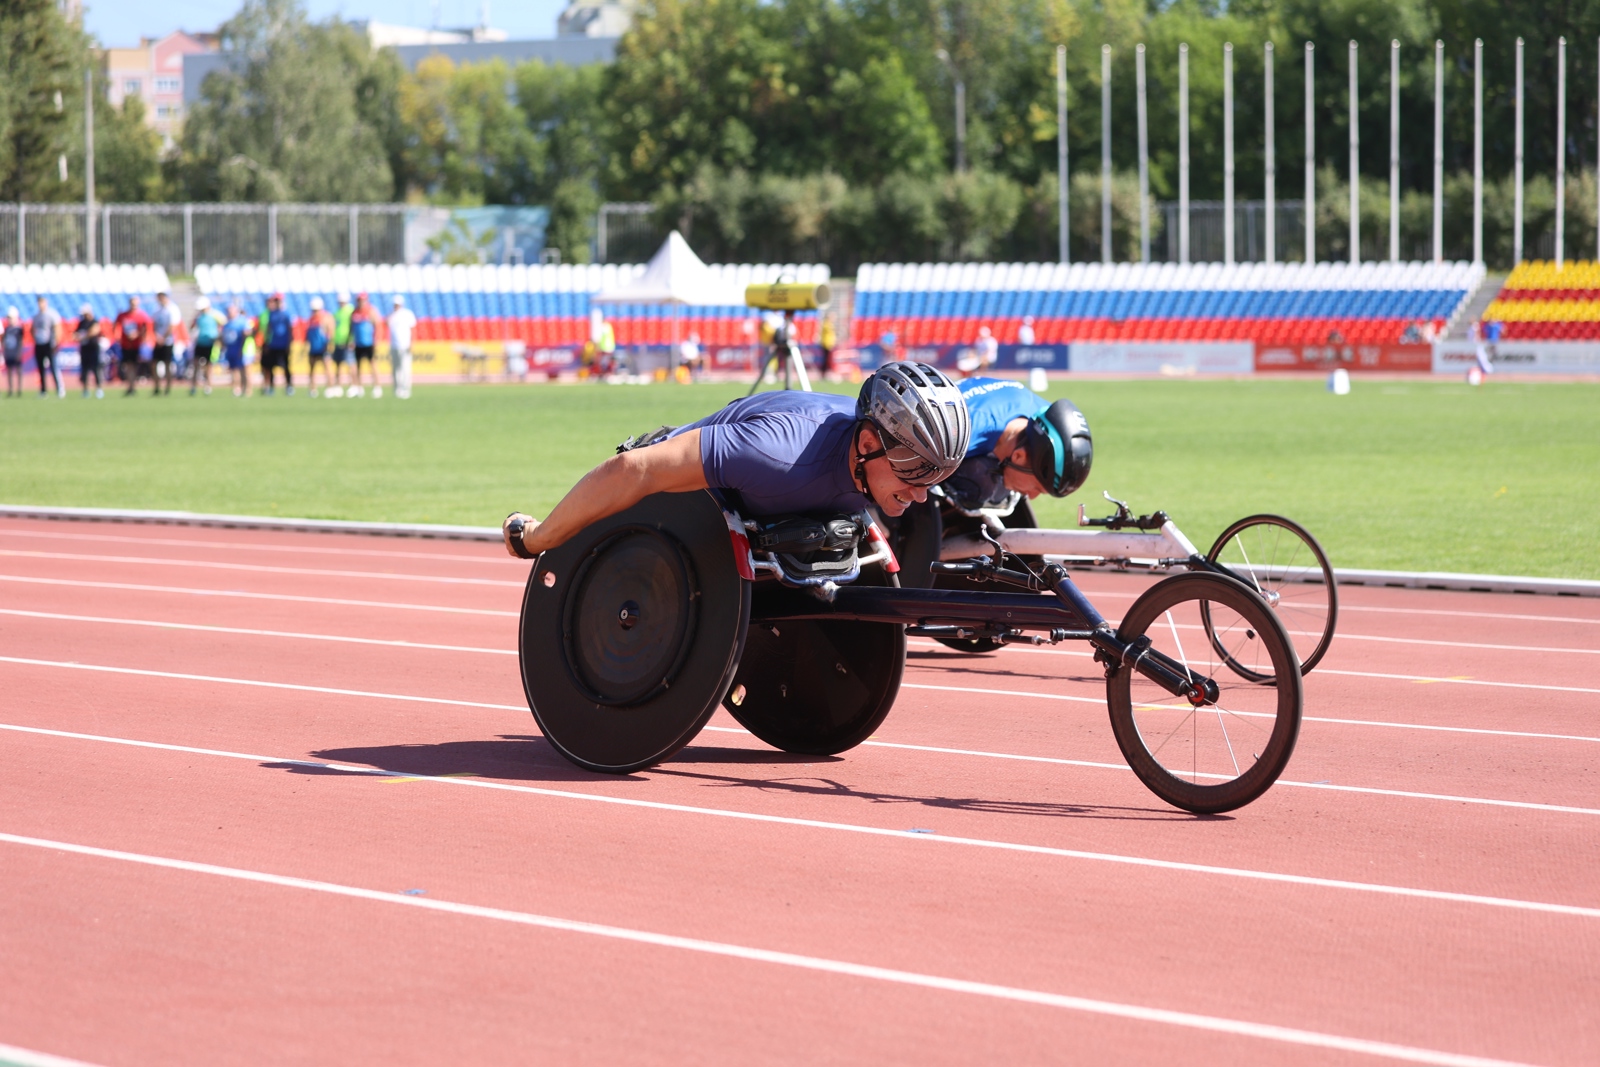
(785, 354)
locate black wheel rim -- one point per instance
(1275, 557)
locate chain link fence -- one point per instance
(177, 236)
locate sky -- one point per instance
(120, 23)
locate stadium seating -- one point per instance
(539, 305)
(1279, 304)
(1540, 303)
(104, 288)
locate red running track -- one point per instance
(277, 797)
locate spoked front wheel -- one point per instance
(1286, 567)
(1226, 752)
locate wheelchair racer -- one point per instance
(1022, 446)
(782, 453)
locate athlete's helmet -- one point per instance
(922, 418)
(1060, 450)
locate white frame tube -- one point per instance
(1561, 149)
(1227, 152)
(1394, 151)
(1183, 153)
(1105, 153)
(1144, 158)
(1062, 185)
(1355, 164)
(1311, 158)
(1438, 151)
(1270, 162)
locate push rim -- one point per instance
(1282, 563)
(1224, 755)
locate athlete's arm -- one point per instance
(673, 466)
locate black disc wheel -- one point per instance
(818, 687)
(1226, 752)
(631, 632)
(1286, 567)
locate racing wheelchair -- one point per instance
(1276, 557)
(635, 630)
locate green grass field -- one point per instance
(1405, 475)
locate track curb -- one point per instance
(1476, 583)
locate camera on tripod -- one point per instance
(788, 296)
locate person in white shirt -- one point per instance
(46, 339)
(1025, 331)
(987, 347)
(402, 323)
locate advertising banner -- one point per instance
(1520, 357)
(1165, 357)
(950, 357)
(1350, 357)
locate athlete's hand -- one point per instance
(528, 523)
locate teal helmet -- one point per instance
(1060, 449)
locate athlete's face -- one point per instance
(1019, 478)
(891, 494)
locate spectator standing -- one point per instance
(279, 336)
(828, 339)
(133, 330)
(12, 346)
(988, 348)
(207, 329)
(364, 339)
(319, 339)
(163, 323)
(342, 355)
(87, 332)
(235, 332)
(46, 339)
(402, 324)
(1025, 331)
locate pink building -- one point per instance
(154, 72)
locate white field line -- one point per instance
(494, 554)
(256, 568)
(1114, 1009)
(12, 1056)
(335, 601)
(254, 633)
(141, 672)
(1380, 889)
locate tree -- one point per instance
(295, 118)
(41, 97)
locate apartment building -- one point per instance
(153, 71)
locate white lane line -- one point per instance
(254, 633)
(257, 568)
(337, 601)
(493, 553)
(1134, 1012)
(259, 685)
(1354, 674)
(1468, 614)
(1452, 644)
(1060, 761)
(1311, 881)
(1305, 718)
(12, 1056)
(141, 672)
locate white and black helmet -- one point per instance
(922, 418)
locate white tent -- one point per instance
(674, 275)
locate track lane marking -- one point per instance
(143, 672)
(497, 556)
(243, 595)
(256, 568)
(1134, 1012)
(254, 633)
(1312, 881)
(1466, 614)
(12, 1056)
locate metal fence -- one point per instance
(627, 233)
(177, 236)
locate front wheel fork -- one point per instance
(1116, 654)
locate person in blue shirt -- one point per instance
(277, 338)
(782, 453)
(235, 333)
(1021, 443)
(205, 331)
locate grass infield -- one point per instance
(1411, 475)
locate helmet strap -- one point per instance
(863, 457)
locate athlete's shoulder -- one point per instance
(976, 387)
